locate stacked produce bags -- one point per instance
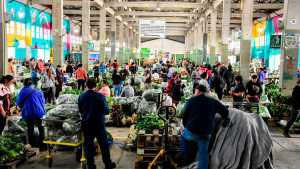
(64, 119)
(149, 102)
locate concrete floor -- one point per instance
(286, 154)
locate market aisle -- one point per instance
(66, 160)
(286, 151)
(286, 154)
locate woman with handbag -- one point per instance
(5, 99)
(48, 86)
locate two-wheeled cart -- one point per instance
(54, 139)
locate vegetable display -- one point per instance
(10, 150)
(279, 103)
(149, 122)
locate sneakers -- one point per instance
(286, 134)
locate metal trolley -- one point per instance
(52, 140)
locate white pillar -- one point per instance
(113, 37)
(200, 35)
(121, 42)
(85, 32)
(213, 36)
(225, 30)
(57, 20)
(3, 44)
(130, 39)
(245, 54)
(196, 37)
(290, 53)
(102, 37)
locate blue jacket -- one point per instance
(93, 108)
(33, 107)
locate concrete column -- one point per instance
(225, 30)
(57, 20)
(121, 42)
(131, 39)
(192, 40)
(245, 54)
(205, 38)
(200, 36)
(102, 34)
(213, 37)
(85, 32)
(113, 37)
(289, 54)
(196, 40)
(3, 44)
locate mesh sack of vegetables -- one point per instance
(152, 95)
(67, 99)
(146, 107)
(179, 109)
(71, 126)
(63, 111)
(188, 90)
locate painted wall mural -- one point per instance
(29, 32)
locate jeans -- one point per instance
(202, 142)
(30, 131)
(89, 136)
(117, 89)
(81, 84)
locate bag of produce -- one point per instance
(146, 107)
(67, 99)
(152, 95)
(179, 109)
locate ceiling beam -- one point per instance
(156, 13)
(167, 19)
(260, 6)
(153, 4)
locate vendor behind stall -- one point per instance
(127, 90)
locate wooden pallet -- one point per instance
(149, 145)
(14, 164)
(155, 139)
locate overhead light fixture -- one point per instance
(120, 0)
(125, 7)
(129, 10)
(133, 16)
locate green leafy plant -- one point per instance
(279, 103)
(71, 91)
(149, 122)
(10, 149)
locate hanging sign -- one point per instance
(152, 28)
(275, 41)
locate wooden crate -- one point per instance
(149, 145)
